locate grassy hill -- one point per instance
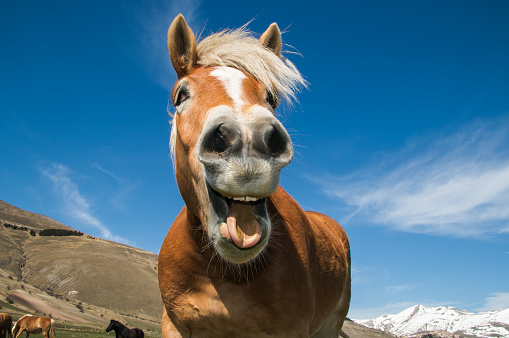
(82, 281)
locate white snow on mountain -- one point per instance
(444, 318)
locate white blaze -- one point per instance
(231, 79)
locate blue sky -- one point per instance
(402, 136)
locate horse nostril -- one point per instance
(220, 141)
(276, 141)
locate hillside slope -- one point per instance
(84, 269)
(95, 271)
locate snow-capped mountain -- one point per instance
(419, 319)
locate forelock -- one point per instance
(239, 49)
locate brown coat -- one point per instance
(33, 324)
(5, 325)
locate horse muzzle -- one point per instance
(242, 160)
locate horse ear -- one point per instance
(182, 46)
(272, 39)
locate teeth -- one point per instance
(246, 199)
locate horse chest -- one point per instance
(232, 311)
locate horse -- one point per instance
(242, 258)
(122, 331)
(5, 325)
(32, 324)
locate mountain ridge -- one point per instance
(419, 319)
(17, 216)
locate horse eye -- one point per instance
(272, 100)
(181, 96)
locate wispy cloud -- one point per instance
(450, 183)
(107, 172)
(497, 301)
(74, 204)
(125, 190)
(398, 288)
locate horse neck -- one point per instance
(196, 235)
(119, 328)
(18, 323)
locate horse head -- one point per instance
(113, 324)
(228, 146)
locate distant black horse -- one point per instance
(123, 331)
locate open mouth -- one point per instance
(242, 225)
(243, 221)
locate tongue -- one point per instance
(243, 228)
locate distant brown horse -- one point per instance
(32, 324)
(242, 259)
(5, 325)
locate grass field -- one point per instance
(68, 330)
(81, 333)
(63, 331)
